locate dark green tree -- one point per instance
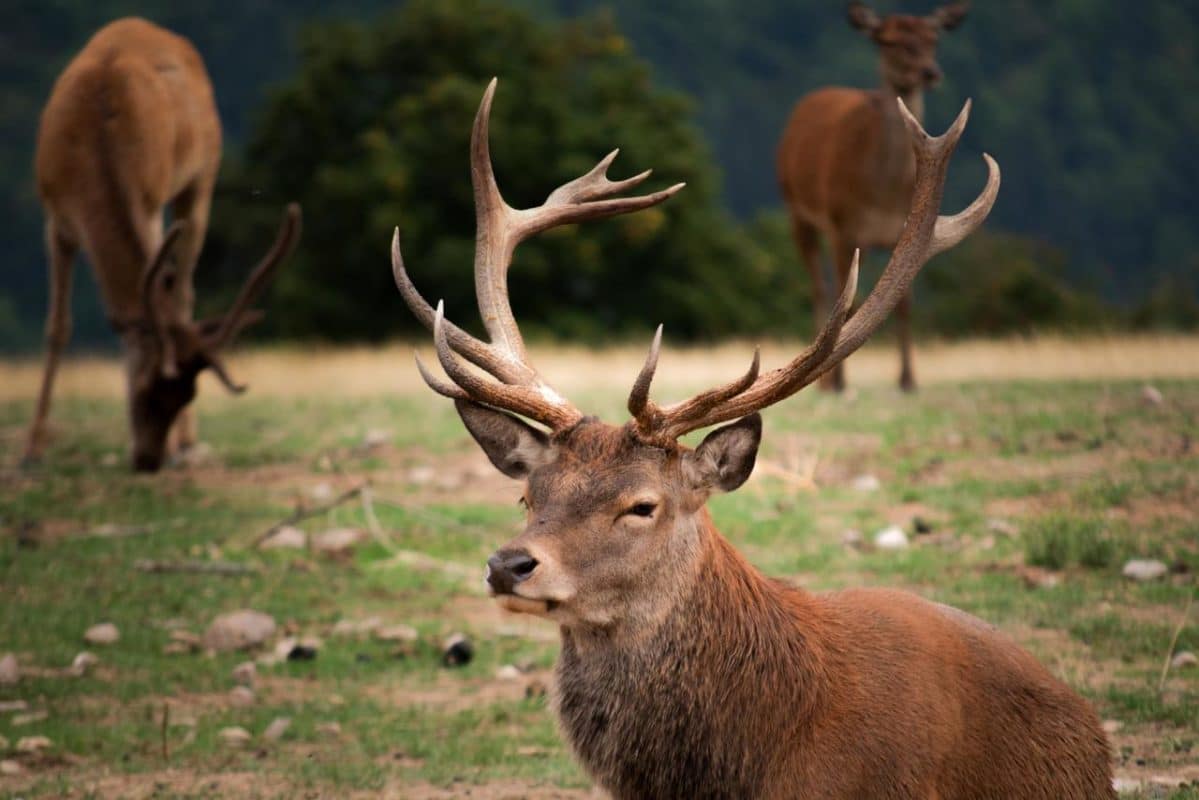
(373, 132)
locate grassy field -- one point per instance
(1037, 467)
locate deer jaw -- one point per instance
(615, 526)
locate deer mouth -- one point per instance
(519, 604)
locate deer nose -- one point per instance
(932, 74)
(507, 568)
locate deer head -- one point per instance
(907, 44)
(167, 354)
(615, 514)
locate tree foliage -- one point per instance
(373, 132)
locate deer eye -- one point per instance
(642, 509)
(523, 503)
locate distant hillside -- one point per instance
(1091, 108)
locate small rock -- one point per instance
(103, 634)
(10, 768)
(1002, 527)
(397, 633)
(83, 662)
(188, 640)
(1112, 725)
(288, 537)
(1184, 659)
(330, 730)
(30, 718)
(274, 732)
(508, 672)
(110, 460)
(376, 437)
(241, 696)
(866, 483)
(33, 744)
(852, 538)
(322, 492)
(9, 706)
(1150, 396)
(245, 673)
(356, 627)
(1038, 577)
(1122, 785)
(1143, 569)
(234, 736)
(239, 630)
(891, 538)
(303, 651)
(457, 651)
(10, 670)
(338, 540)
(921, 526)
(421, 475)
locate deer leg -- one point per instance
(61, 251)
(903, 319)
(843, 258)
(191, 205)
(807, 240)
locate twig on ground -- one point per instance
(166, 751)
(412, 558)
(372, 521)
(304, 513)
(1161, 681)
(198, 567)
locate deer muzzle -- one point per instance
(507, 568)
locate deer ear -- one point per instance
(863, 18)
(513, 446)
(726, 456)
(949, 16)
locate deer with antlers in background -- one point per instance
(131, 127)
(845, 164)
(684, 672)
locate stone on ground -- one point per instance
(234, 736)
(104, 633)
(288, 537)
(10, 670)
(239, 630)
(1144, 569)
(338, 540)
(891, 538)
(274, 732)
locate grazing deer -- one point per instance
(684, 672)
(845, 161)
(130, 127)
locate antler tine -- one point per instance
(500, 229)
(540, 403)
(639, 401)
(751, 392)
(478, 353)
(925, 234)
(285, 243)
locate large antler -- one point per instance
(924, 235)
(500, 228)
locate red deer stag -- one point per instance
(684, 672)
(130, 127)
(845, 161)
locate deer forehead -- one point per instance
(597, 465)
(902, 29)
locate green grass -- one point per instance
(1083, 471)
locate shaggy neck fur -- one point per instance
(677, 711)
